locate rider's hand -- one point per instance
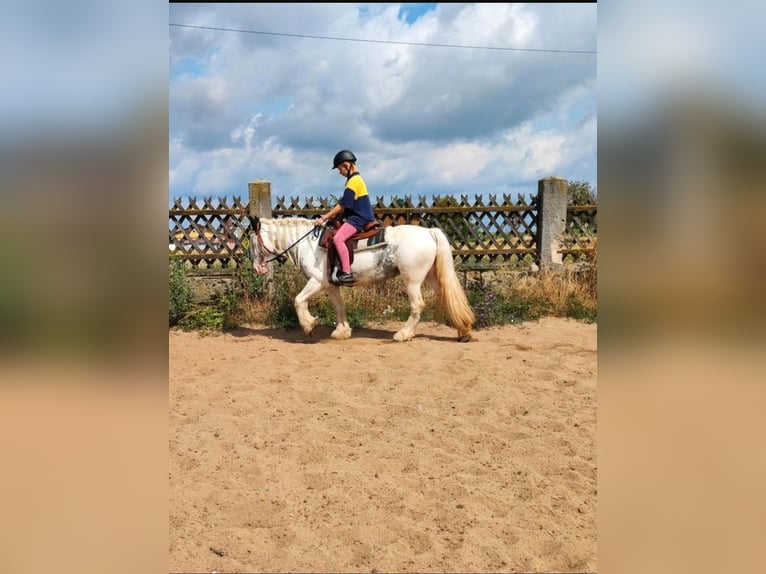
(319, 222)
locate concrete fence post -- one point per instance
(259, 192)
(552, 195)
(259, 205)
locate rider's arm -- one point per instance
(334, 212)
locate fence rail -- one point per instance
(499, 233)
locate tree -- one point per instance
(581, 193)
(454, 225)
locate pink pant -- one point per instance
(339, 239)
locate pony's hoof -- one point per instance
(464, 338)
(309, 330)
(401, 337)
(341, 334)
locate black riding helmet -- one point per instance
(341, 156)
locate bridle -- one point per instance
(255, 229)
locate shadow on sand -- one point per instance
(322, 334)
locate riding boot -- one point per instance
(345, 278)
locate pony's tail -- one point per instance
(450, 292)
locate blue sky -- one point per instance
(434, 99)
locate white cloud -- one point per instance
(459, 163)
(430, 118)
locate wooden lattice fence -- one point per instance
(579, 240)
(498, 232)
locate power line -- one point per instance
(385, 41)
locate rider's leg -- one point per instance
(339, 239)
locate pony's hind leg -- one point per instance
(407, 332)
(307, 321)
(342, 327)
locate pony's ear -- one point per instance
(255, 224)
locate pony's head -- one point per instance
(258, 247)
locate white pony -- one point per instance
(414, 253)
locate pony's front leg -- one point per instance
(307, 321)
(342, 327)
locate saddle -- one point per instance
(373, 232)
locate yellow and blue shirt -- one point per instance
(356, 202)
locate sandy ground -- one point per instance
(296, 454)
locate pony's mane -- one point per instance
(288, 221)
(287, 229)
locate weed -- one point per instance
(180, 294)
(203, 319)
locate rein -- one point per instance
(255, 224)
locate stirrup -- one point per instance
(335, 280)
(345, 278)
